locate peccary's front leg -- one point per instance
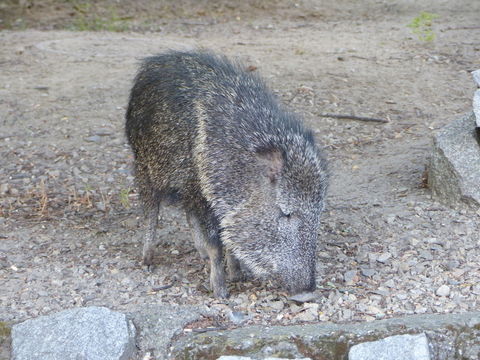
(215, 253)
(217, 273)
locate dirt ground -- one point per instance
(70, 223)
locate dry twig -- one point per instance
(353, 117)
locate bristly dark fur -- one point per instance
(247, 172)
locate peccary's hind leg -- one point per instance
(234, 269)
(150, 198)
(150, 241)
(198, 235)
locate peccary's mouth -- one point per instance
(296, 288)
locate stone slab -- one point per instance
(476, 107)
(476, 77)
(91, 333)
(399, 347)
(157, 324)
(454, 169)
(249, 358)
(448, 335)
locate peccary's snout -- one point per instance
(298, 280)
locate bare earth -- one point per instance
(70, 224)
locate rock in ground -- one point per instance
(399, 347)
(158, 324)
(249, 358)
(454, 171)
(333, 341)
(93, 333)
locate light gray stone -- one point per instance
(384, 257)
(399, 347)
(476, 77)
(237, 317)
(303, 297)
(158, 324)
(89, 333)
(332, 341)
(368, 272)
(476, 107)
(349, 276)
(454, 170)
(443, 290)
(228, 357)
(94, 138)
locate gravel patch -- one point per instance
(71, 229)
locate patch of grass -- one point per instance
(124, 199)
(4, 329)
(87, 20)
(422, 26)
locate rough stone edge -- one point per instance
(416, 346)
(437, 183)
(135, 327)
(476, 100)
(129, 350)
(476, 107)
(461, 195)
(332, 340)
(146, 315)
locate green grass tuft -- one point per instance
(422, 24)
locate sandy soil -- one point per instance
(70, 224)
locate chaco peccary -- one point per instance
(248, 174)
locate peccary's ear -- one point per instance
(271, 163)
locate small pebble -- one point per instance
(350, 276)
(476, 289)
(100, 206)
(103, 132)
(443, 290)
(310, 314)
(3, 189)
(384, 257)
(303, 297)
(237, 317)
(390, 283)
(94, 138)
(368, 272)
(427, 255)
(277, 305)
(54, 173)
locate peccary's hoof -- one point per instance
(237, 277)
(148, 258)
(149, 268)
(240, 276)
(220, 293)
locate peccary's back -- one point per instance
(196, 120)
(160, 123)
